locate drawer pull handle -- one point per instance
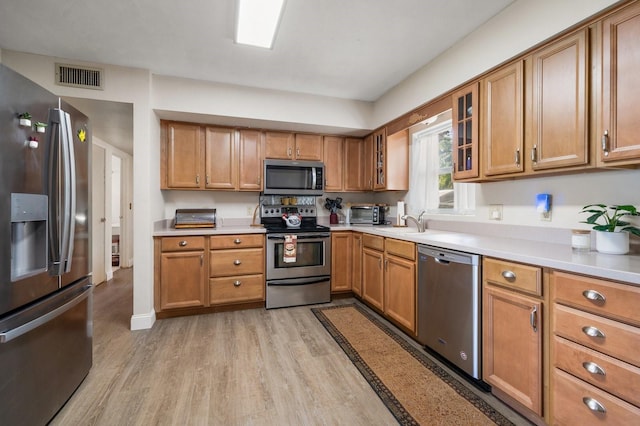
(237, 283)
(593, 368)
(592, 331)
(509, 276)
(237, 241)
(594, 296)
(237, 262)
(594, 405)
(182, 243)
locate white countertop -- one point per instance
(624, 268)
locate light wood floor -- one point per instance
(252, 367)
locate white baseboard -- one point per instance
(144, 321)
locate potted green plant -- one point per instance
(610, 239)
(25, 119)
(40, 126)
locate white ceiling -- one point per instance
(353, 49)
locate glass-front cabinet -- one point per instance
(380, 150)
(465, 133)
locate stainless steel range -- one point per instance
(298, 252)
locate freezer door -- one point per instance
(45, 353)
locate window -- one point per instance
(431, 171)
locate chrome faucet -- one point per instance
(417, 221)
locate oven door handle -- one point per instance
(301, 237)
(297, 282)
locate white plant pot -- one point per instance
(612, 242)
(25, 122)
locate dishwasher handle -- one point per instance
(442, 261)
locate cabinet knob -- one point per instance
(594, 405)
(594, 296)
(182, 243)
(237, 283)
(237, 241)
(592, 331)
(237, 262)
(509, 276)
(593, 368)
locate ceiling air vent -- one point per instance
(86, 78)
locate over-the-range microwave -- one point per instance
(287, 177)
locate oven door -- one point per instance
(312, 259)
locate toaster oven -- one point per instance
(370, 214)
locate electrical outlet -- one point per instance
(495, 211)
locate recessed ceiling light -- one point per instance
(258, 21)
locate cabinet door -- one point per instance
(465, 133)
(559, 136)
(512, 345)
(400, 291)
(308, 147)
(250, 160)
(368, 163)
(379, 159)
(620, 86)
(278, 145)
(372, 278)
(356, 263)
(341, 261)
(502, 122)
(396, 158)
(184, 156)
(333, 163)
(354, 165)
(221, 164)
(182, 279)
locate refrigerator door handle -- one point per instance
(14, 333)
(62, 197)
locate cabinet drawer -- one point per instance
(236, 241)
(236, 262)
(400, 248)
(570, 398)
(373, 241)
(610, 374)
(182, 243)
(619, 340)
(609, 299)
(244, 288)
(513, 275)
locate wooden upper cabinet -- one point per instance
(221, 164)
(620, 143)
(502, 120)
(333, 163)
(308, 147)
(278, 145)
(380, 159)
(560, 88)
(368, 163)
(465, 132)
(391, 161)
(355, 162)
(291, 146)
(250, 147)
(182, 156)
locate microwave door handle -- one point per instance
(314, 178)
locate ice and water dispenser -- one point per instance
(29, 216)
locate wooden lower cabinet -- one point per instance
(341, 261)
(595, 351)
(513, 334)
(356, 263)
(236, 269)
(182, 272)
(373, 278)
(389, 279)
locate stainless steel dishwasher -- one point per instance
(449, 306)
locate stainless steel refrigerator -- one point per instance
(45, 280)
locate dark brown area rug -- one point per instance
(415, 389)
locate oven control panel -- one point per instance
(279, 210)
